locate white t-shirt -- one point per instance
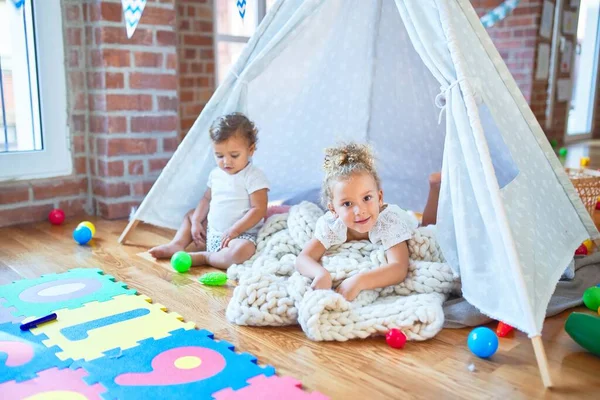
(230, 196)
(394, 225)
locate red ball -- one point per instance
(56, 216)
(395, 338)
(581, 251)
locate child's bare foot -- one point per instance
(435, 179)
(199, 258)
(165, 250)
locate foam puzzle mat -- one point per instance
(109, 342)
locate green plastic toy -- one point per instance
(585, 330)
(562, 152)
(181, 261)
(213, 279)
(591, 298)
(554, 143)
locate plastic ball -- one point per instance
(591, 298)
(56, 216)
(89, 225)
(181, 261)
(589, 245)
(213, 279)
(82, 234)
(395, 338)
(503, 329)
(581, 251)
(482, 342)
(562, 152)
(554, 143)
(584, 162)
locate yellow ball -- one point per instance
(584, 161)
(589, 245)
(89, 225)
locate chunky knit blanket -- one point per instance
(271, 293)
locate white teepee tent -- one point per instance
(383, 71)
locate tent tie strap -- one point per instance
(440, 99)
(242, 81)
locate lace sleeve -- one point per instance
(393, 226)
(330, 231)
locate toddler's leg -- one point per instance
(182, 239)
(430, 211)
(238, 251)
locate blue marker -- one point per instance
(32, 324)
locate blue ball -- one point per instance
(82, 234)
(482, 342)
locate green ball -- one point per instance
(213, 279)
(181, 261)
(591, 298)
(554, 143)
(562, 152)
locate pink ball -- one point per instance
(56, 216)
(395, 338)
(272, 210)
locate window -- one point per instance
(33, 109)
(232, 33)
(585, 67)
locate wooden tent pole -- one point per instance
(542, 361)
(128, 230)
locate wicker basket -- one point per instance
(587, 183)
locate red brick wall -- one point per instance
(195, 52)
(132, 95)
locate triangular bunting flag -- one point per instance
(132, 11)
(18, 3)
(241, 6)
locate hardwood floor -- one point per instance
(359, 369)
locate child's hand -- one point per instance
(228, 236)
(350, 288)
(198, 234)
(322, 281)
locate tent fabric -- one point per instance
(320, 71)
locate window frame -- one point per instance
(261, 11)
(55, 158)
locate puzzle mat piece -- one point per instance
(23, 354)
(8, 314)
(270, 388)
(188, 362)
(88, 331)
(63, 384)
(71, 289)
